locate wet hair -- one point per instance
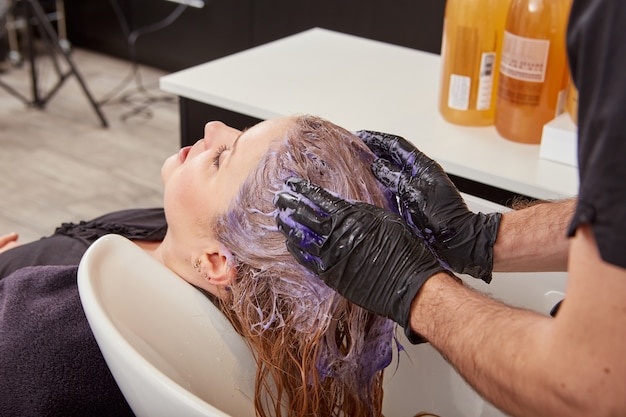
(317, 353)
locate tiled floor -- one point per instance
(59, 164)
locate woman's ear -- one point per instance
(219, 268)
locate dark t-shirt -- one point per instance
(69, 242)
(50, 363)
(596, 45)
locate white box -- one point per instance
(559, 141)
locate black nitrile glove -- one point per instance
(364, 252)
(433, 207)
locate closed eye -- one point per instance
(218, 154)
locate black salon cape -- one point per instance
(50, 364)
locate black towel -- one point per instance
(50, 364)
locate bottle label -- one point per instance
(485, 81)
(459, 92)
(524, 59)
(561, 101)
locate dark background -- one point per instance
(224, 27)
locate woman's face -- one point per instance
(201, 180)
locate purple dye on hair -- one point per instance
(305, 236)
(273, 292)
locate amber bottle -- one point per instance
(470, 56)
(533, 70)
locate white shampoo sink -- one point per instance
(173, 353)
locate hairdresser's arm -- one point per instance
(527, 364)
(8, 241)
(534, 238)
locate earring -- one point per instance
(197, 265)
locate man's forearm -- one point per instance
(503, 352)
(532, 365)
(534, 238)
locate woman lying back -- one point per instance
(317, 353)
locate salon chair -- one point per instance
(173, 353)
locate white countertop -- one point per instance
(365, 84)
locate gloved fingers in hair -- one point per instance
(305, 214)
(393, 148)
(399, 182)
(303, 225)
(305, 258)
(320, 197)
(408, 189)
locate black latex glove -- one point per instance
(366, 253)
(433, 207)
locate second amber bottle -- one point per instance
(533, 69)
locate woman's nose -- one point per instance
(216, 132)
(213, 134)
(213, 129)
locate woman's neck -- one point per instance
(151, 247)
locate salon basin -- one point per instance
(173, 353)
(170, 350)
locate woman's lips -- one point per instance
(182, 154)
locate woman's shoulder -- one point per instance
(143, 223)
(137, 216)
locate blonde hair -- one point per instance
(317, 353)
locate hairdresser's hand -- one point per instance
(432, 205)
(364, 252)
(8, 241)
